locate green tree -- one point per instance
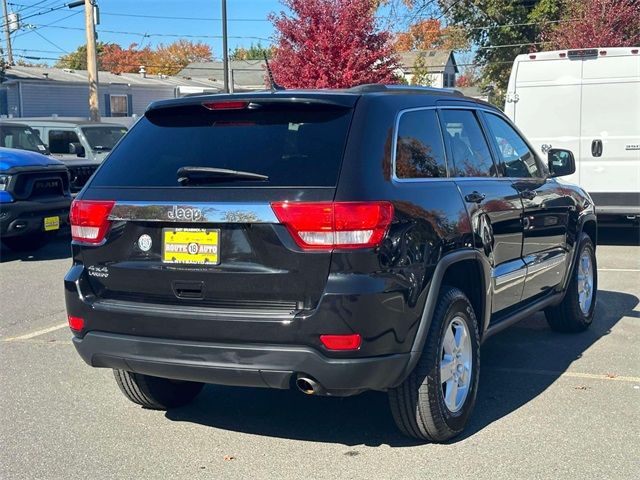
(499, 30)
(254, 52)
(77, 60)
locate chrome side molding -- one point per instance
(196, 212)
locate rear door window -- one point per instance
(59, 140)
(294, 145)
(515, 157)
(419, 147)
(468, 147)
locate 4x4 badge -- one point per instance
(188, 214)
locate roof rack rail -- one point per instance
(379, 87)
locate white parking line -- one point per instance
(618, 270)
(592, 376)
(37, 333)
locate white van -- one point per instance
(586, 101)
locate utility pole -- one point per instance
(7, 33)
(225, 50)
(92, 56)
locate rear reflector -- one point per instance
(328, 225)
(90, 220)
(341, 342)
(235, 105)
(76, 323)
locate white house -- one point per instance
(439, 66)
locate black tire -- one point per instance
(155, 392)
(27, 243)
(567, 316)
(418, 404)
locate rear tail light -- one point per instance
(90, 220)
(328, 225)
(75, 323)
(341, 342)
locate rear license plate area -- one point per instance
(197, 246)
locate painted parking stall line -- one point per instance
(36, 333)
(552, 373)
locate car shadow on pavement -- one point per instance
(58, 248)
(611, 235)
(517, 365)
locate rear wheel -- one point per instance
(155, 392)
(27, 243)
(575, 312)
(436, 399)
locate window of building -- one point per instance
(59, 140)
(515, 157)
(419, 147)
(119, 105)
(469, 150)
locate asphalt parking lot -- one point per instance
(549, 406)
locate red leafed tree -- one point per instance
(597, 23)
(331, 44)
(116, 59)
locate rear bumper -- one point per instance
(26, 217)
(239, 365)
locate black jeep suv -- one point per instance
(335, 241)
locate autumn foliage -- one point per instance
(597, 23)
(164, 59)
(331, 44)
(116, 59)
(170, 59)
(429, 34)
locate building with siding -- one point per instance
(437, 67)
(44, 92)
(244, 75)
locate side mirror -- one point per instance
(76, 149)
(561, 162)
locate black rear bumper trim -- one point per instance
(239, 365)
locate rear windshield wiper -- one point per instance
(197, 175)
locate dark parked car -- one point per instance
(14, 134)
(334, 241)
(34, 198)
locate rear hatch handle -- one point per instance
(188, 290)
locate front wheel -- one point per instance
(155, 392)
(575, 312)
(435, 401)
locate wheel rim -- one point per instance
(455, 364)
(585, 282)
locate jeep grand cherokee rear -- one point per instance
(323, 240)
(203, 250)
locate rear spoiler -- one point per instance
(333, 99)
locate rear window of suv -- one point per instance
(294, 145)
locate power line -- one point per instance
(146, 35)
(52, 9)
(38, 27)
(50, 42)
(210, 19)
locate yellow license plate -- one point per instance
(51, 223)
(190, 245)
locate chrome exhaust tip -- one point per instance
(308, 386)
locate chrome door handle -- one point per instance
(474, 197)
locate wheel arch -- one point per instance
(588, 224)
(465, 269)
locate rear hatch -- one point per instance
(184, 230)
